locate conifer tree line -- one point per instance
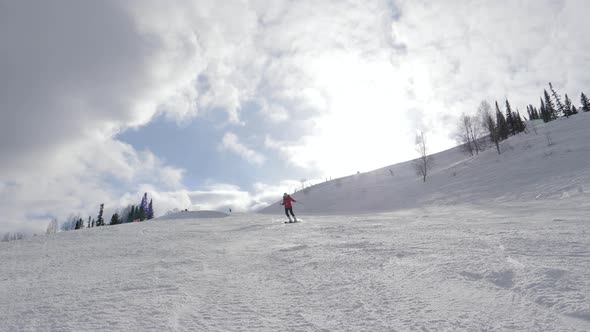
(503, 121)
(551, 106)
(143, 211)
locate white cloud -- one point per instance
(76, 179)
(342, 86)
(231, 143)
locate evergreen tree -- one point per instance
(509, 119)
(585, 104)
(100, 220)
(560, 107)
(143, 208)
(532, 111)
(567, 104)
(536, 115)
(503, 130)
(510, 122)
(136, 214)
(115, 219)
(79, 224)
(545, 114)
(150, 210)
(549, 107)
(131, 215)
(88, 222)
(520, 124)
(141, 214)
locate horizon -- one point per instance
(209, 107)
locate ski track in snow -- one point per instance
(435, 269)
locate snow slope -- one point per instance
(449, 269)
(495, 247)
(527, 170)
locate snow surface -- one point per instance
(193, 214)
(489, 243)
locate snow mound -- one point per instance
(193, 215)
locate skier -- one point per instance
(288, 207)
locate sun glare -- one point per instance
(366, 124)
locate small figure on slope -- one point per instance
(288, 207)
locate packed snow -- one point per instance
(193, 215)
(488, 243)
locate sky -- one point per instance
(228, 104)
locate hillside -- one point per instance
(489, 243)
(528, 170)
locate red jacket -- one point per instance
(287, 202)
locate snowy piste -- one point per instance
(488, 243)
(454, 269)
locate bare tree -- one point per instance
(548, 137)
(469, 134)
(303, 180)
(533, 126)
(424, 163)
(464, 134)
(488, 122)
(12, 236)
(475, 133)
(52, 227)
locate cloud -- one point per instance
(73, 76)
(77, 179)
(333, 86)
(231, 143)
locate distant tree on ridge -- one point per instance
(425, 162)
